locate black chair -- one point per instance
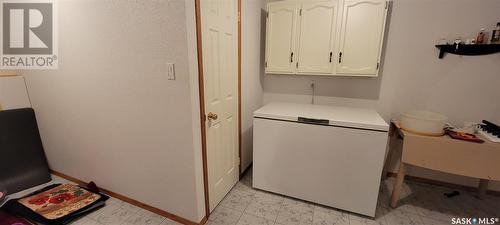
(22, 159)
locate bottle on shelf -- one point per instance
(457, 42)
(480, 36)
(495, 35)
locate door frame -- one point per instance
(202, 98)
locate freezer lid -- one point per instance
(329, 115)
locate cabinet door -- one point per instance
(317, 32)
(361, 37)
(281, 26)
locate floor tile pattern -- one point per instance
(419, 204)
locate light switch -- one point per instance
(170, 71)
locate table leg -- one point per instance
(398, 184)
(389, 153)
(483, 187)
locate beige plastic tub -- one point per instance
(423, 122)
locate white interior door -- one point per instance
(317, 36)
(280, 37)
(220, 55)
(361, 36)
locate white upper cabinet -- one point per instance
(361, 37)
(325, 37)
(316, 37)
(280, 37)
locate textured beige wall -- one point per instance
(109, 113)
(252, 70)
(13, 93)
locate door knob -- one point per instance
(212, 116)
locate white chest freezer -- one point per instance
(323, 154)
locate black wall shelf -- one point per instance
(476, 49)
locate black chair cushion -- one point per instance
(22, 160)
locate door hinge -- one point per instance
(239, 161)
(300, 12)
(239, 17)
(265, 64)
(267, 14)
(378, 65)
(340, 57)
(297, 65)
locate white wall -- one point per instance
(109, 113)
(195, 103)
(13, 93)
(412, 77)
(252, 70)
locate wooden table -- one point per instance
(479, 160)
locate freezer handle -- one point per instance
(313, 121)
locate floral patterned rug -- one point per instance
(59, 201)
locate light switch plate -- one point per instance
(171, 71)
